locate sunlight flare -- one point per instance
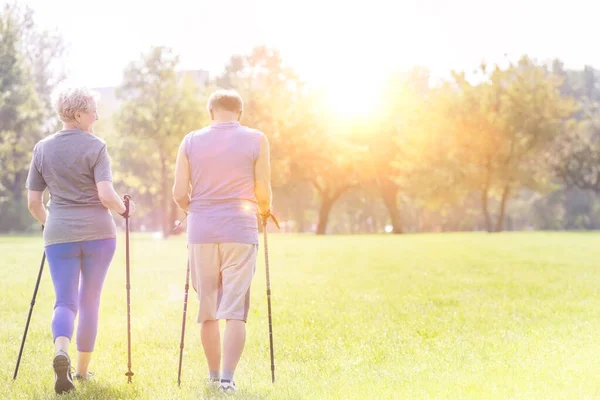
(352, 100)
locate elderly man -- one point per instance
(222, 179)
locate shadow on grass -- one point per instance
(99, 390)
(213, 393)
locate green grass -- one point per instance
(444, 316)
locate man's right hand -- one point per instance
(265, 218)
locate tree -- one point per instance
(274, 102)
(403, 98)
(426, 166)
(503, 128)
(271, 92)
(577, 154)
(21, 118)
(43, 52)
(320, 154)
(159, 108)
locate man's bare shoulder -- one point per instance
(196, 132)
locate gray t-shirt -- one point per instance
(70, 163)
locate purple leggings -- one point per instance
(78, 270)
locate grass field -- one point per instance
(444, 316)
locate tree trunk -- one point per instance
(299, 217)
(486, 213)
(165, 203)
(389, 192)
(17, 189)
(351, 218)
(20, 217)
(368, 216)
(485, 195)
(325, 208)
(328, 199)
(375, 223)
(500, 221)
(156, 218)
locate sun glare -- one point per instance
(348, 98)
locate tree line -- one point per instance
(512, 146)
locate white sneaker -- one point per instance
(82, 378)
(213, 383)
(227, 386)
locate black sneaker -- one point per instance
(227, 386)
(62, 373)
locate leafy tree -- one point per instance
(503, 128)
(21, 118)
(271, 92)
(577, 154)
(158, 109)
(402, 106)
(322, 154)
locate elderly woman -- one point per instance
(79, 229)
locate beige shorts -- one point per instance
(221, 275)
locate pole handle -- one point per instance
(126, 199)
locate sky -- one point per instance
(327, 42)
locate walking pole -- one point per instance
(129, 374)
(37, 285)
(264, 222)
(185, 301)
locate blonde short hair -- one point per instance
(228, 100)
(69, 100)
